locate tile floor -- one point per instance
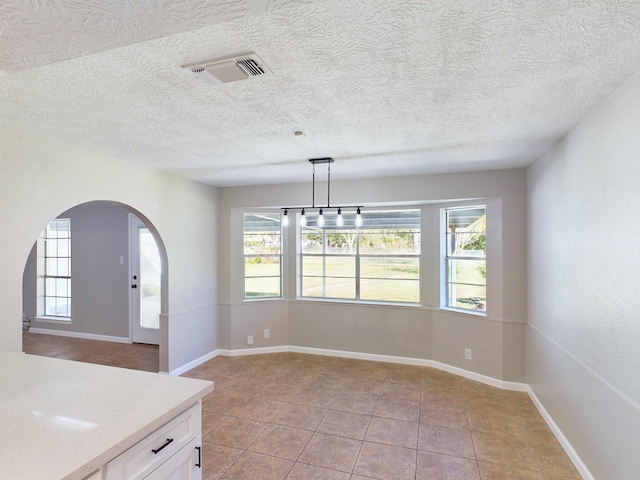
(296, 416)
(135, 356)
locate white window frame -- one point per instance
(44, 275)
(358, 257)
(445, 283)
(246, 256)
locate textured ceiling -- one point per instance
(386, 87)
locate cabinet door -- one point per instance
(184, 465)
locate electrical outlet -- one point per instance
(267, 333)
(467, 354)
(249, 339)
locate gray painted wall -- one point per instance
(583, 337)
(423, 332)
(100, 285)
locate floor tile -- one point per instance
(236, 432)
(386, 462)
(344, 424)
(256, 466)
(216, 459)
(223, 403)
(402, 391)
(554, 462)
(328, 451)
(318, 397)
(210, 421)
(504, 449)
(445, 415)
(437, 396)
(307, 417)
(359, 385)
(355, 403)
(370, 372)
(279, 391)
(294, 377)
(281, 441)
(303, 471)
(261, 409)
(398, 409)
(447, 441)
(432, 466)
(330, 382)
(495, 471)
(393, 432)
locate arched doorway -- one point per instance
(79, 282)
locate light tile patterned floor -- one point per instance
(298, 417)
(135, 356)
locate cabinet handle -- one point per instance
(155, 451)
(199, 464)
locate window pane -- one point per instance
(263, 243)
(262, 287)
(52, 247)
(329, 287)
(63, 308)
(262, 233)
(64, 248)
(50, 287)
(63, 267)
(472, 297)
(311, 242)
(341, 241)
(50, 305)
(471, 244)
(389, 267)
(262, 267)
(62, 287)
(51, 267)
(389, 242)
(390, 290)
(468, 271)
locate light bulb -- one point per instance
(320, 219)
(358, 218)
(285, 219)
(303, 219)
(339, 219)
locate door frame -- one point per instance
(135, 223)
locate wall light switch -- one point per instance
(121, 260)
(267, 333)
(249, 339)
(467, 354)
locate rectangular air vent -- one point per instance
(229, 69)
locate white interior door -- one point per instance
(146, 270)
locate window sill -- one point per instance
(262, 299)
(357, 302)
(62, 320)
(464, 312)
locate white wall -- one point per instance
(40, 179)
(423, 332)
(583, 337)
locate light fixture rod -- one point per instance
(331, 207)
(328, 184)
(313, 188)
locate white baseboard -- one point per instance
(520, 387)
(86, 336)
(254, 351)
(194, 363)
(566, 445)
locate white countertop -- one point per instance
(63, 420)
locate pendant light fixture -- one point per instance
(321, 209)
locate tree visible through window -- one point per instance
(57, 265)
(378, 261)
(466, 263)
(262, 255)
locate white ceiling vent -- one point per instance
(229, 69)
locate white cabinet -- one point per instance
(171, 452)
